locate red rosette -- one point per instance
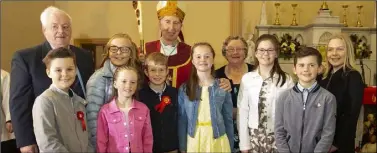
(165, 100)
(80, 116)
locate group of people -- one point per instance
(173, 100)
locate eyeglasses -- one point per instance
(124, 49)
(230, 50)
(269, 51)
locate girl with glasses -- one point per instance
(120, 51)
(257, 97)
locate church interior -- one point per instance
(93, 22)
(309, 23)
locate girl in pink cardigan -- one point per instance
(123, 124)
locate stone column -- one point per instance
(235, 17)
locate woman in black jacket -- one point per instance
(345, 82)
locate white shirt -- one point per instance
(305, 91)
(5, 114)
(168, 50)
(248, 99)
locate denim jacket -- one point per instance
(221, 107)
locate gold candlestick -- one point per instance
(358, 24)
(324, 6)
(277, 20)
(294, 21)
(345, 15)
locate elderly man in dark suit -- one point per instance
(29, 78)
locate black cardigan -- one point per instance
(348, 88)
(220, 73)
(165, 124)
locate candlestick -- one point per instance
(358, 24)
(277, 20)
(345, 15)
(294, 21)
(324, 6)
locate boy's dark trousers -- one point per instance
(9, 147)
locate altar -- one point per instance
(317, 34)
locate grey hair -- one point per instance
(230, 38)
(52, 10)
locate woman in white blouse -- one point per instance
(257, 96)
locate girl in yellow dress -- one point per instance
(205, 110)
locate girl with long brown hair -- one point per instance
(205, 121)
(257, 97)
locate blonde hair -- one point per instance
(115, 78)
(156, 58)
(349, 56)
(133, 55)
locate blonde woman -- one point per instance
(345, 82)
(120, 51)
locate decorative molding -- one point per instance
(236, 18)
(96, 41)
(366, 29)
(279, 27)
(330, 25)
(375, 7)
(91, 42)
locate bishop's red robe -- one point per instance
(179, 64)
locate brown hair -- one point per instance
(115, 77)
(133, 60)
(60, 52)
(193, 81)
(230, 38)
(157, 58)
(307, 51)
(276, 68)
